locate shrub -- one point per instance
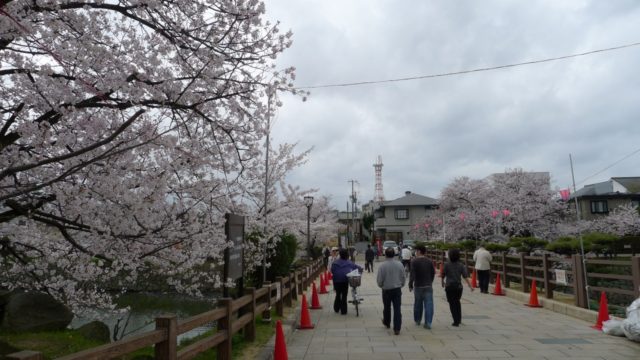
(495, 247)
(467, 245)
(603, 243)
(284, 255)
(527, 244)
(565, 245)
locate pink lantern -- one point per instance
(462, 216)
(416, 226)
(564, 194)
(506, 212)
(494, 213)
(439, 221)
(426, 225)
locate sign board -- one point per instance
(234, 229)
(561, 277)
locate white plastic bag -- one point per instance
(613, 327)
(353, 272)
(631, 325)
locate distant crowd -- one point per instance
(407, 262)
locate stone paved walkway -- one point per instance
(493, 327)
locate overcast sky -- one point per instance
(432, 131)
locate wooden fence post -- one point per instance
(307, 277)
(168, 349)
(578, 281)
(293, 284)
(266, 314)
(280, 301)
(635, 273)
(250, 329)
(26, 355)
(299, 282)
(504, 270)
(224, 348)
(548, 290)
(289, 299)
(523, 273)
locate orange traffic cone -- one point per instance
(474, 281)
(305, 318)
(442, 269)
(533, 296)
(323, 288)
(603, 312)
(497, 290)
(327, 277)
(280, 350)
(315, 302)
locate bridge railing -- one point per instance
(232, 316)
(523, 269)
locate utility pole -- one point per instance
(348, 226)
(584, 259)
(353, 210)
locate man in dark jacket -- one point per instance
(339, 269)
(421, 283)
(369, 255)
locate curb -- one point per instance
(553, 305)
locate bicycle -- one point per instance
(354, 283)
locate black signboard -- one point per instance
(233, 256)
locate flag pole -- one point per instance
(584, 259)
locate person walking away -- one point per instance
(483, 268)
(369, 255)
(454, 273)
(352, 253)
(325, 257)
(391, 280)
(339, 269)
(421, 283)
(406, 258)
(333, 257)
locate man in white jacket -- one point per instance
(483, 267)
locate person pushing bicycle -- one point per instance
(339, 269)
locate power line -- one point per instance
(468, 71)
(610, 166)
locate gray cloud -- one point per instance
(431, 131)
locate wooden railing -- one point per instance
(231, 316)
(523, 269)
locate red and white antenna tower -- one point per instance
(378, 197)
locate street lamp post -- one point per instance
(308, 202)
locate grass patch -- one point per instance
(51, 343)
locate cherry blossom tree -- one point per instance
(623, 220)
(514, 203)
(125, 130)
(266, 221)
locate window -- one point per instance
(599, 207)
(402, 214)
